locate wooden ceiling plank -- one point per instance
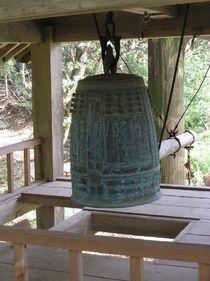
(17, 50)
(7, 49)
(24, 32)
(157, 12)
(29, 9)
(129, 25)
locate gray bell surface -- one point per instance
(113, 144)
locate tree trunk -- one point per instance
(162, 59)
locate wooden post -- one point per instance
(136, 269)
(48, 216)
(48, 106)
(27, 168)
(48, 113)
(10, 172)
(162, 55)
(76, 266)
(204, 272)
(20, 262)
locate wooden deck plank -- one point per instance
(157, 210)
(170, 192)
(186, 193)
(169, 197)
(49, 191)
(178, 203)
(200, 228)
(170, 207)
(197, 239)
(58, 184)
(183, 202)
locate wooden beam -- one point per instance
(20, 145)
(48, 118)
(10, 173)
(76, 266)
(17, 50)
(78, 223)
(50, 200)
(204, 272)
(27, 167)
(188, 252)
(19, 191)
(48, 107)
(47, 217)
(12, 208)
(170, 146)
(23, 224)
(30, 9)
(130, 25)
(7, 49)
(136, 269)
(20, 262)
(21, 32)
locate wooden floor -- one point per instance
(52, 264)
(174, 203)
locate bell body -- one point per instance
(113, 145)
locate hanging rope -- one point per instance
(175, 74)
(156, 111)
(125, 63)
(172, 135)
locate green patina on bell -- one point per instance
(113, 144)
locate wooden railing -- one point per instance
(135, 249)
(9, 151)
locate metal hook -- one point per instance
(193, 41)
(146, 17)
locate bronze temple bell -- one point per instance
(113, 145)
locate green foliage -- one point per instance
(196, 63)
(19, 76)
(3, 170)
(197, 60)
(201, 158)
(134, 53)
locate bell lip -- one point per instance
(138, 202)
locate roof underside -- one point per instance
(11, 10)
(22, 21)
(21, 52)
